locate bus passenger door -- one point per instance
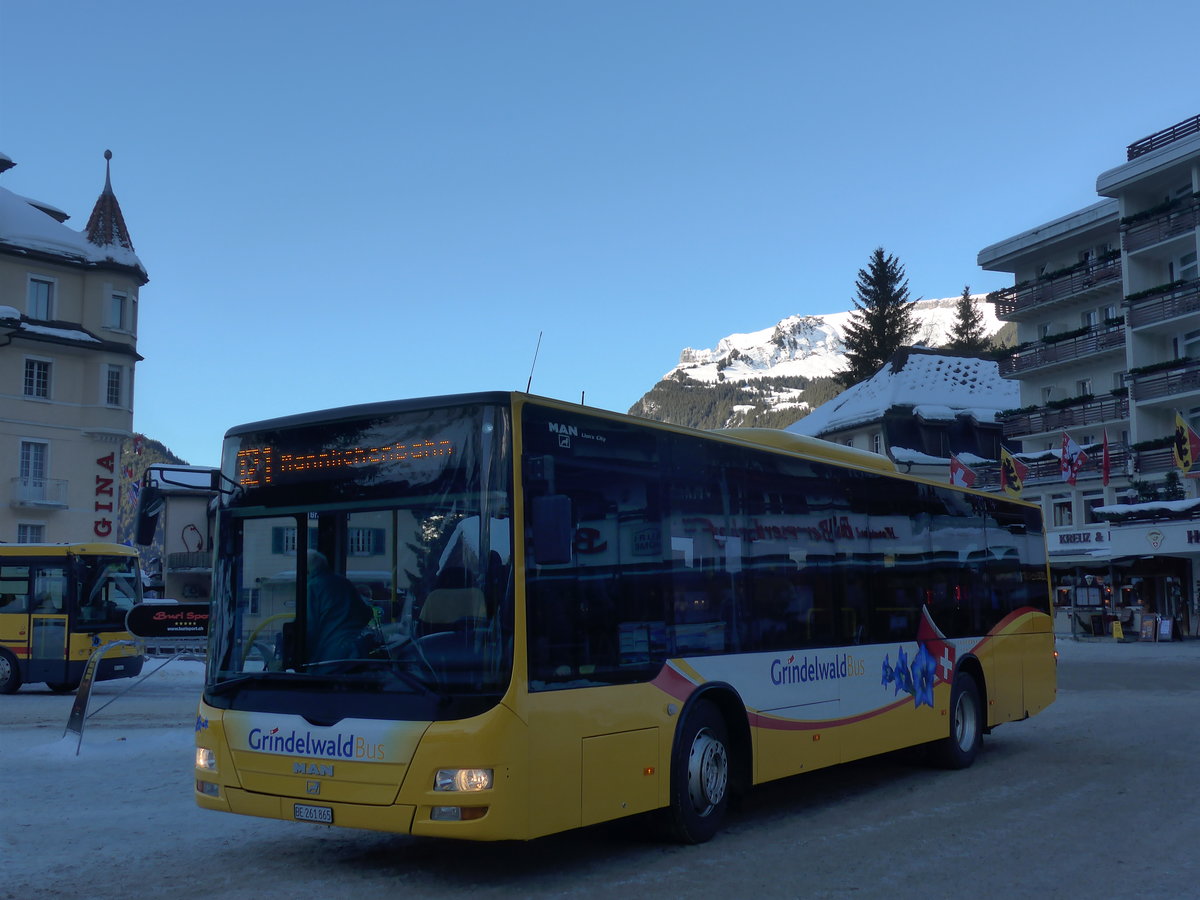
(48, 629)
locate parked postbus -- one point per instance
(58, 603)
(577, 615)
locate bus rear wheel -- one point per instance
(10, 673)
(700, 770)
(959, 749)
(62, 687)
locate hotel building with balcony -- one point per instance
(1107, 306)
(68, 348)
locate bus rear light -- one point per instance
(457, 813)
(468, 780)
(208, 788)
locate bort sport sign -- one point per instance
(167, 620)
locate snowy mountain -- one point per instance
(766, 377)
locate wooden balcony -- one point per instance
(1014, 302)
(1171, 303)
(1099, 339)
(1176, 221)
(1049, 470)
(1181, 379)
(1099, 411)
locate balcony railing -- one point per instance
(1182, 379)
(1099, 339)
(1049, 469)
(1018, 299)
(1046, 419)
(1178, 301)
(195, 560)
(1162, 138)
(39, 491)
(1176, 221)
(1160, 460)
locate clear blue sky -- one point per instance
(348, 202)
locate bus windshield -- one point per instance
(367, 561)
(111, 587)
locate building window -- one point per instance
(1090, 502)
(1089, 318)
(34, 466)
(877, 443)
(1083, 387)
(1183, 268)
(365, 541)
(1061, 512)
(848, 442)
(41, 298)
(116, 386)
(31, 534)
(116, 316)
(37, 378)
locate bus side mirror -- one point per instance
(553, 529)
(150, 506)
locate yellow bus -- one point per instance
(494, 616)
(58, 603)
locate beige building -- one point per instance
(1107, 306)
(68, 348)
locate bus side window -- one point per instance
(14, 589)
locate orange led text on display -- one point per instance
(258, 466)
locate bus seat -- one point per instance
(447, 608)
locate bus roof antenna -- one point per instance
(529, 383)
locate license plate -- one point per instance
(322, 814)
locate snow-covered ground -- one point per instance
(118, 819)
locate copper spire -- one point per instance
(106, 225)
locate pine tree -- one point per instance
(967, 334)
(882, 321)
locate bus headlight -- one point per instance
(206, 759)
(468, 780)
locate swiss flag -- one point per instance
(960, 473)
(935, 643)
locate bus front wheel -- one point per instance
(959, 748)
(10, 673)
(699, 775)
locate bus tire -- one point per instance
(62, 687)
(700, 775)
(959, 748)
(10, 673)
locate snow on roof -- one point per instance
(24, 223)
(937, 385)
(70, 334)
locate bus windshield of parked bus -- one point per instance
(365, 564)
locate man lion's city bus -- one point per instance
(494, 616)
(58, 603)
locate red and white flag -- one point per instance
(1073, 459)
(960, 473)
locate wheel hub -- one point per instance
(708, 772)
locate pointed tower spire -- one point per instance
(106, 225)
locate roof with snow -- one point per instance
(934, 384)
(30, 227)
